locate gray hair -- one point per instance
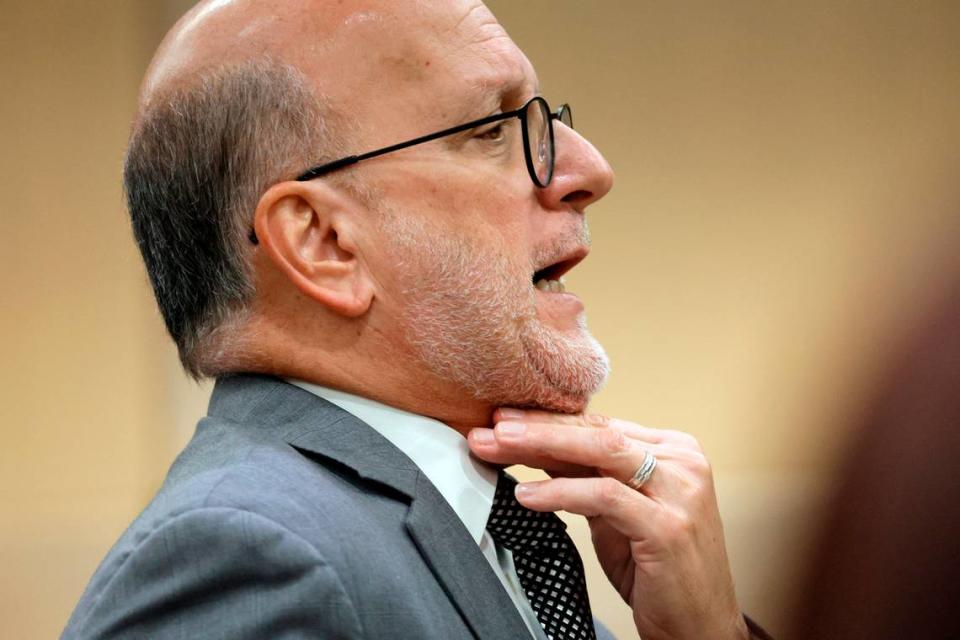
(200, 156)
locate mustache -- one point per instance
(562, 246)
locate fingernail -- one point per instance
(482, 435)
(524, 490)
(511, 428)
(510, 413)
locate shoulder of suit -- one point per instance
(219, 558)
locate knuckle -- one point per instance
(687, 441)
(613, 442)
(609, 491)
(700, 465)
(540, 447)
(597, 420)
(697, 494)
(541, 443)
(680, 527)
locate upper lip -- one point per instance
(561, 264)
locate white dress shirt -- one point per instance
(465, 482)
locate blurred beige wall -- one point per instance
(786, 199)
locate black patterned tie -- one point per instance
(547, 564)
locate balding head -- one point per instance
(219, 33)
(241, 94)
(423, 258)
(349, 49)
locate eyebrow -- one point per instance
(495, 94)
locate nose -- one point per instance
(581, 174)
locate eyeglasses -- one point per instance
(539, 147)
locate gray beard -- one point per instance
(470, 321)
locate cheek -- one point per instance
(491, 213)
(465, 201)
(495, 218)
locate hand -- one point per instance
(662, 547)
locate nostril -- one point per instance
(576, 196)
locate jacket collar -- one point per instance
(314, 426)
(440, 453)
(310, 423)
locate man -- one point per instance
(372, 299)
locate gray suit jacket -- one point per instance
(287, 517)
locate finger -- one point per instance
(508, 414)
(637, 431)
(628, 511)
(483, 444)
(632, 429)
(608, 451)
(666, 483)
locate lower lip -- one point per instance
(560, 301)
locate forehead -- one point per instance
(439, 60)
(359, 52)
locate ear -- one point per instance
(305, 229)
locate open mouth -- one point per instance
(549, 279)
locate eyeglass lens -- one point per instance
(540, 140)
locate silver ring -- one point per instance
(643, 472)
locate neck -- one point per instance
(365, 364)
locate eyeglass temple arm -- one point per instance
(318, 171)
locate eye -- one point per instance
(497, 133)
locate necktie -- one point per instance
(547, 564)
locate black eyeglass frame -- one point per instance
(563, 114)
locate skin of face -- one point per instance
(463, 228)
(444, 237)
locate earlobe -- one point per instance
(304, 229)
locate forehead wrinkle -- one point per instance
(489, 93)
(498, 70)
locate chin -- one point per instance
(557, 380)
(564, 374)
(561, 404)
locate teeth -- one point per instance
(551, 286)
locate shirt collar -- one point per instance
(466, 483)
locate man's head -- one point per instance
(409, 277)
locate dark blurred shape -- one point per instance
(888, 564)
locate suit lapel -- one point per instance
(312, 424)
(460, 567)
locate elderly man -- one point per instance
(356, 215)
